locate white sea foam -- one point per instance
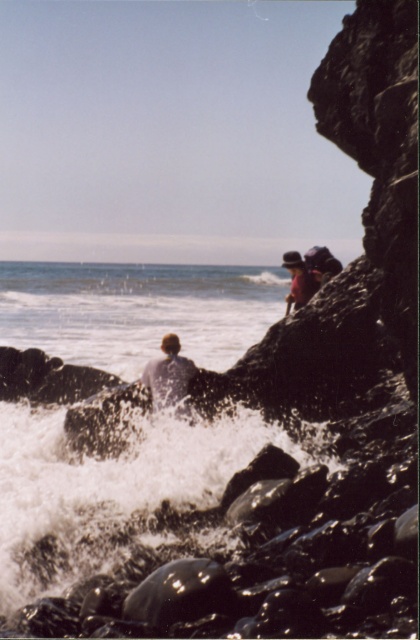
(41, 493)
(119, 334)
(267, 278)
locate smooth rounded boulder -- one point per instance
(181, 591)
(260, 502)
(406, 533)
(327, 585)
(271, 463)
(374, 587)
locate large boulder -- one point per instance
(271, 463)
(104, 425)
(182, 590)
(33, 375)
(334, 347)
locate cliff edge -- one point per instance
(365, 101)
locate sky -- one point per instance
(170, 131)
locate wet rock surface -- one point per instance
(32, 375)
(340, 547)
(181, 591)
(103, 425)
(353, 576)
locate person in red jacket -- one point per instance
(304, 286)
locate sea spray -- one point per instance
(83, 504)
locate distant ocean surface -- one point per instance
(113, 317)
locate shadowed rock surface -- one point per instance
(33, 375)
(365, 101)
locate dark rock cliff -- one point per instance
(365, 321)
(365, 101)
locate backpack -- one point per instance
(315, 258)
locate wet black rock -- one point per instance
(281, 503)
(374, 587)
(214, 625)
(332, 544)
(403, 473)
(33, 375)
(183, 590)
(406, 533)
(301, 500)
(271, 463)
(365, 101)
(262, 501)
(354, 489)
(380, 539)
(50, 618)
(99, 602)
(271, 552)
(328, 585)
(251, 598)
(394, 504)
(78, 591)
(103, 627)
(103, 426)
(342, 618)
(285, 613)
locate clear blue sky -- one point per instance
(169, 131)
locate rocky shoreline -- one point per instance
(316, 555)
(296, 553)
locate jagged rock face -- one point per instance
(334, 347)
(365, 101)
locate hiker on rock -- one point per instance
(168, 376)
(331, 267)
(304, 285)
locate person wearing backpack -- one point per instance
(322, 264)
(304, 285)
(331, 267)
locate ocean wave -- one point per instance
(266, 278)
(18, 297)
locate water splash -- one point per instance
(80, 508)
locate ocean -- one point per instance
(113, 316)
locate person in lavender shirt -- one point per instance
(168, 376)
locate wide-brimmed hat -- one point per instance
(292, 259)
